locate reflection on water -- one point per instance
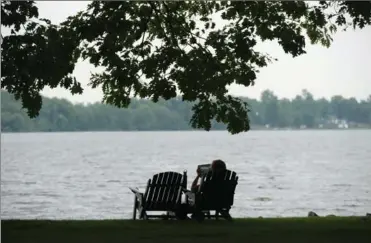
(87, 175)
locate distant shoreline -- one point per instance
(175, 115)
(194, 130)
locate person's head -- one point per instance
(218, 165)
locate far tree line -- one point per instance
(143, 115)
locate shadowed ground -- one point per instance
(335, 229)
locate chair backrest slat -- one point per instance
(150, 190)
(158, 189)
(145, 195)
(163, 191)
(176, 185)
(156, 179)
(170, 190)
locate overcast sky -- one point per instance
(344, 68)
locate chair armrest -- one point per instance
(139, 195)
(191, 196)
(135, 190)
(185, 190)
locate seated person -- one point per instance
(216, 166)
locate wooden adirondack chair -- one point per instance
(216, 193)
(163, 193)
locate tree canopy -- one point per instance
(163, 49)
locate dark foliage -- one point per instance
(156, 49)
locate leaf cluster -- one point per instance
(159, 49)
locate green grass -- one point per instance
(332, 229)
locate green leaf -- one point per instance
(193, 40)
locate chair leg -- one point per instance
(198, 215)
(226, 215)
(208, 214)
(141, 212)
(135, 208)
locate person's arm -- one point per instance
(195, 181)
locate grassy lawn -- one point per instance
(332, 229)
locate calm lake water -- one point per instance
(87, 175)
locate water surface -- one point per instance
(87, 175)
